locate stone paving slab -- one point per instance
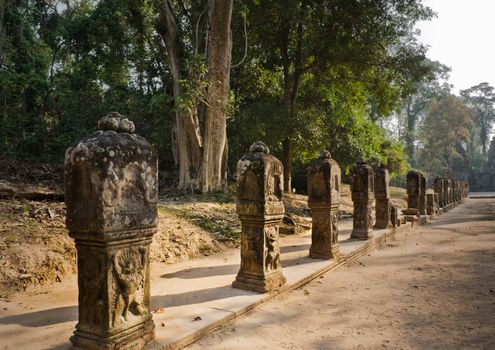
(482, 195)
(195, 296)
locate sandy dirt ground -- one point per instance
(433, 288)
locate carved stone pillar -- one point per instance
(430, 204)
(324, 200)
(456, 190)
(362, 190)
(465, 189)
(451, 191)
(260, 209)
(438, 188)
(111, 193)
(382, 196)
(445, 184)
(395, 217)
(413, 191)
(436, 199)
(447, 190)
(422, 195)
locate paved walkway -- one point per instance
(195, 296)
(431, 288)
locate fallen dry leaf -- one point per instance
(159, 310)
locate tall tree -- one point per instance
(446, 131)
(192, 35)
(373, 40)
(434, 85)
(481, 99)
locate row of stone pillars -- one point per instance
(260, 208)
(111, 197)
(447, 192)
(450, 191)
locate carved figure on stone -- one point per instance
(272, 250)
(335, 229)
(129, 268)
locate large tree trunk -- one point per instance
(185, 132)
(287, 163)
(219, 59)
(201, 153)
(410, 131)
(484, 138)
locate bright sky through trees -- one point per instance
(460, 37)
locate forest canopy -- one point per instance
(203, 79)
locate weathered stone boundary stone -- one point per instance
(362, 193)
(323, 200)
(111, 197)
(413, 193)
(382, 196)
(261, 210)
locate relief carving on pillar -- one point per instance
(272, 249)
(129, 268)
(252, 249)
(335, 228)
(321, 226)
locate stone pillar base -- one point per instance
(411, 211)
(266, 284)
(133, 338)
(381, 225)
(382, 216)
(362, 234)
(318, 253)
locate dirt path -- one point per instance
(433, 288)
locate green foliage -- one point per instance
(195, 86)
(481, 98)
(63, 69)
(345, 64)
(446, 132)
